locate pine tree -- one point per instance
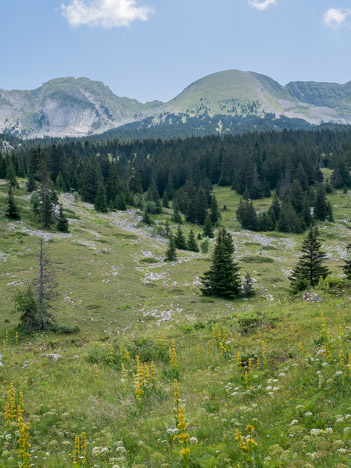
(180, 241)
(171, 253)
(248, 289)
(12, 210)
(62, 221)
(208, 228)
(347, 265)
(223, 278)
(100, 203)
(309, 268)
(192, 244)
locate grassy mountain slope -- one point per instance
(238, 93)
(77, 107)
(113, 284)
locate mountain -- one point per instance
(232, 101)
(67, 106)
(240, 93)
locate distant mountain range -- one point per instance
(226, 102)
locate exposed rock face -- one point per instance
(67, 107)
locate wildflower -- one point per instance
(308, 413)
(294, 421)
(193, 440)
(282, 374)
(316, 431)
(329, 430)
(339, 372)
(250, 428)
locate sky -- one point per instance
(153, 49)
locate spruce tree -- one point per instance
(208, 228)
(60, 183)
(46, 211)
(248, 289)
(11, 174)
(323, 209)
(223, 278)
(171, 253)
(215, 215)
(177, 218)
(165, 201)
(34, 202)
(120, 202)
(12, 210)
(192, 244)
(347, 265)
(180, 241)
(62, 222)
(147, 218)
(309, 268)
(100, 203)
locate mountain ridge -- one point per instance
(81, 107)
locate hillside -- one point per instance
(66, 106)
(293, 401)
(233, 100)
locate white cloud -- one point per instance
(334, 18)
(105, 13)
(262, 4)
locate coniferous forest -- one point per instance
(147, 174)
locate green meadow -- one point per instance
(158, 375)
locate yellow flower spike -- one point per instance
(123, 371)
(96, 371)
(258, 364)
(76, 449)
(153, 372)
(250, 364)
(83, 447)
(239, 359)
(302, 349)
(250, 428)
(327, 351)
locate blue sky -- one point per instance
(153, 49)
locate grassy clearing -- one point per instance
(114, 285)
